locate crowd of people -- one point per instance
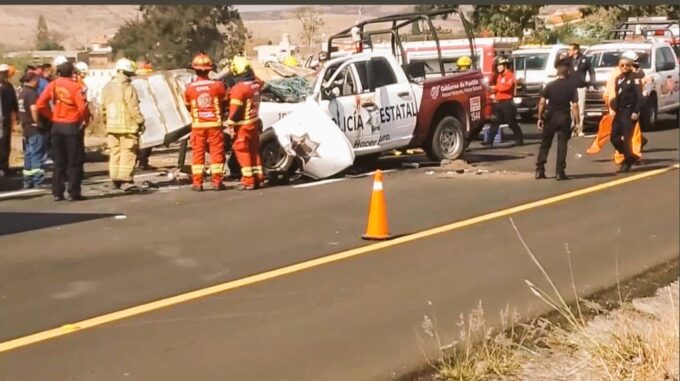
(561, 108)
(52, 108)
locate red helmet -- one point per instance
(202, 62)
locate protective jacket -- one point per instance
(205, 99)
(120, 106)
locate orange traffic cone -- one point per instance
(377, 228)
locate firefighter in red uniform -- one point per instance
(205, 99)
(504, 110)
(244, 117)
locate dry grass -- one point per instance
(638, 341)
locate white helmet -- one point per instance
(58, 60)
(630, 55)
(82, 67)
(125, 65)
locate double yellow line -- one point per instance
(231, 285)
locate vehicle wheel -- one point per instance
(448, 140)
(277, 164)
(649, 114)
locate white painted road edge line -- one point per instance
(315, 183)
(24, 192)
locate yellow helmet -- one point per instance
(239, 65)
(290, 61)
(464, 61)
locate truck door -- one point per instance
(396, 102)
(666, 68)
(352, 108)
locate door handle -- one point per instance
(368, 104)
(669, 77)
(403, 94)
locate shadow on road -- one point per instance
(17, 222)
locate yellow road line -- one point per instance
(182, 298)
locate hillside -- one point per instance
(79, 24)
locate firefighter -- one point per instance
(627, 103)
(562, 103)
(290, 61)
(206, 100)
(143, 68)
(463, 63)
(67, 116)
(81, 72)
(244, 118)
(124, 123)
(504, 110)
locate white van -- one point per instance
(534, 67)
(660, 64)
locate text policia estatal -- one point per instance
(354, 122)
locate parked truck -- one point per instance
(382, 100)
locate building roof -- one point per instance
(44, 53)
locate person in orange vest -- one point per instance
(206, 100)
(504, 109)
(638, 141)
(244, 118)
(67, 116)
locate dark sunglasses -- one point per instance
(625, 65)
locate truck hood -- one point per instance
(310, 134)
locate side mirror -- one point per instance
(335, 91)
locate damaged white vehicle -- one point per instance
(373, 101)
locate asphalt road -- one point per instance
(355, 319)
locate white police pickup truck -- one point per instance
(376, 101)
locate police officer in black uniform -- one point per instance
(626, 105)
(561, 98)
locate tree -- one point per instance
(170, 35)
(623, 12)
(505, 20)
(416, 27)
(44, 40)
(311, 21)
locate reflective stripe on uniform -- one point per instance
(33, 172)
(257, 170)
(197, 169)
(247, 171)
(240, 123)
(211, 124)
(216, 168)
(236, 102)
